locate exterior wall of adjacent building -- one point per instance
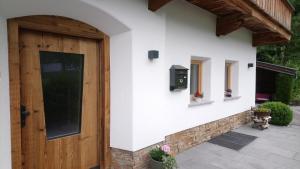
(143, 110)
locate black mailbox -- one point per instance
(178, 77)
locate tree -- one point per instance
(286, 54)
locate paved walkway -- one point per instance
(296, 120)
(275, 148)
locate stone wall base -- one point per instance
(179, 142)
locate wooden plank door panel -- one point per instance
(62, 153)
(30, 44)
(79, 151)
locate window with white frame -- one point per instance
(231, 79)
(200, 79)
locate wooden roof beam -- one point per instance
(272, 24)
(267, 38)
(276, 68)
(234, 14)
(249, 15)
(229, 23)
(154, 5)
(255, 12)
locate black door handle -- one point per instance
(24, 115)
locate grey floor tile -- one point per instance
(275, 148)
(297, 157)
(197, 165)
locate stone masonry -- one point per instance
(179, 142)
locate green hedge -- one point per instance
(281, 113)
(296, 90)
(284, 88)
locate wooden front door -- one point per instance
(60, 112)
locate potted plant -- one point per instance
(262, 112)
(228, 93)
(198, 96)
(261, 117)
(161, 158)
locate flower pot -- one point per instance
(199, 99)
(156, 164)
(228, 95)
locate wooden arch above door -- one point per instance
(63, 26)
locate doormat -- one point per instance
(233, 140)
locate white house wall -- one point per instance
(121, 91)
(5, 155)
(191, 32)
(143, 110)
(179, 31)
(188, 31)
(82, 10)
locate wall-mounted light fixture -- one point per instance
(250, 65)
(153, 54)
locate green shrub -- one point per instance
(284, 88)
(281, 113)
(296, 90)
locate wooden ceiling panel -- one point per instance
(218, 7)
(154, 5)
(267, 38)
(234, 14)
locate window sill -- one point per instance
(231, 98)
(200, 103)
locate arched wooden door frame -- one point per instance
(64, 26)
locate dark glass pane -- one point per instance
(62, 80)
(194, 79)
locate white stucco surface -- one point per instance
(5, 149)
(143, 110)
(82, 10)
(121, 91)
(188, 31)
